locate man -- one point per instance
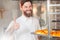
(24, 25)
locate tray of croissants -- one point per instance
(44, 32)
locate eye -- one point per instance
(25, 6)
(30, 6)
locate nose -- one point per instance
(28, 9)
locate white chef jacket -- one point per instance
(27, 25)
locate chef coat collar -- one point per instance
(26, 18)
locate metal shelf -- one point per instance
(48, 13)
(54, 5)
(54, 13)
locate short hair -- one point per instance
(23, 1)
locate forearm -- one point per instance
(10, 30)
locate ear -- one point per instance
(20, 6)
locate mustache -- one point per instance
(29, 10)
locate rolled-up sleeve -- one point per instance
(9, 26)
